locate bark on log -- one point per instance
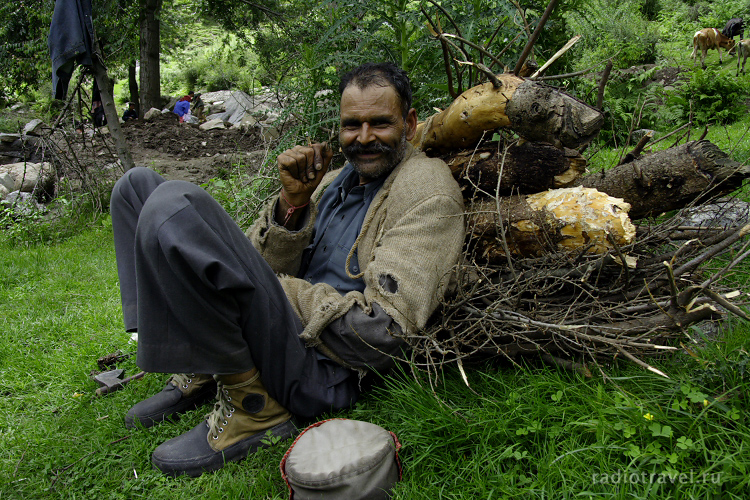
(534, 111)
(555, 220)
(671, 179)
(530, 167)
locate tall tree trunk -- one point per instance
(113, 120)
(133, 86)
(150, 50)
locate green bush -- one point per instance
(711, 97)
(631, 101)
(613, 30)
(25, 223)
(226, 62)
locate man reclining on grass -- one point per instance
(321, 289)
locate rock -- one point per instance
(214, 116)
(215, 108)
(216, 123)
(34, 127)
(9, 138)
(29, 176)
(216, 97)
(19, 107)
(7, 181)
(724, 213)
(23, 203)
(269, 133)
(240, 104)
(151, 114)
(3, 192)
(247, 122)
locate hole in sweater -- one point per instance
(388, 283)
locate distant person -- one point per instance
(100, 119)
(97, 107)
(197, 107)
(130, 113)
(182, 108)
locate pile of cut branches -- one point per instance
(572, 307)
(574, 268)
(554, 264)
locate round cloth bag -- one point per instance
(342, 459)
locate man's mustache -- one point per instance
(357, 148)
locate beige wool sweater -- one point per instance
(412, 236)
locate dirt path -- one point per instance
(185, 152)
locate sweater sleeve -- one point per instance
(278, 246)
(364, 340)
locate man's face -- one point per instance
(373, 131)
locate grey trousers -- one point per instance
(203, 300)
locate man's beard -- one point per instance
(390, 158)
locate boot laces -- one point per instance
(222, 412)
(182, 379)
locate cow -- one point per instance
(743, 50)
(710, 38)
(734, 27)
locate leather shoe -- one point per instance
(183, 392)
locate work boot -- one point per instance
(239, 425)
(183, 392)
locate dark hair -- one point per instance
(381, 74)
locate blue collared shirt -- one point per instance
(341, 212)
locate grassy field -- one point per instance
(531, 432)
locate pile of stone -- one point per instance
(236, 110)
(25, 180)
(21, 168)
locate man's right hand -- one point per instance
(300, 170)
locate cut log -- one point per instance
(526, 168)
(671, 179)
(534, 111)
(555, 220)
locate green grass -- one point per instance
(531, 432)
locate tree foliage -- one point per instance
(320, 39)
(24, 57)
